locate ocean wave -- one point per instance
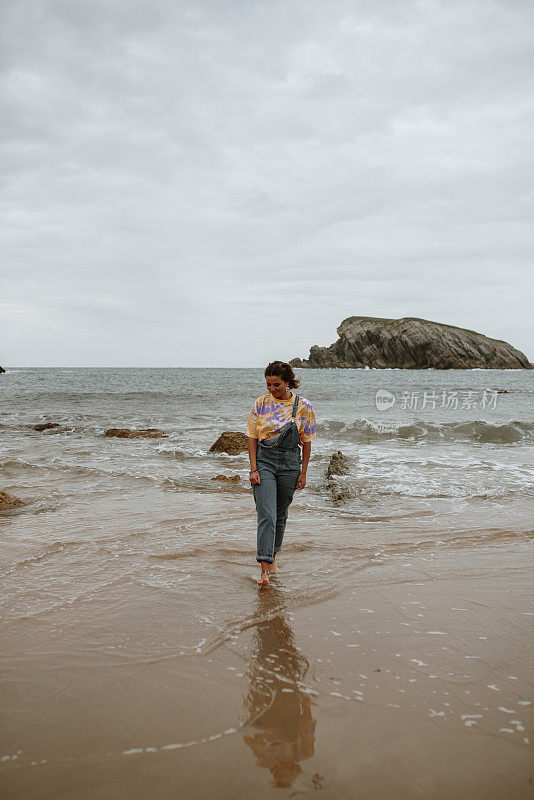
(470, 431)
(50, 550)
(459, 492)
(361, 430)
(365, 482)
(9, 465)
(15, 469)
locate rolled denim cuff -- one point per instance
(269, 559)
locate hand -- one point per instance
(301, 480)
(255, 477)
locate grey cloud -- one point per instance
(190, 165)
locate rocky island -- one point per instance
(411, 343)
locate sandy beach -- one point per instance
(405, 672)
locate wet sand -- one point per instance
(165, 672)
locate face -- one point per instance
(277, 387)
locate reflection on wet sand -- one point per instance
(283, 734)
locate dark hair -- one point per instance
(280, 369)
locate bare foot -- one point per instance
(264, 579)
(273, 569)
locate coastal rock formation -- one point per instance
(227, 478)
(46, 426)
(231, 442)
(411, 343)
(8, 502)
(126, 433)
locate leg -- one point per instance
(265, 499)
(286, 485)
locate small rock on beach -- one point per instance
(126, 433)
(227, 478)
(8, 502)
(231, 442)
(46, 426)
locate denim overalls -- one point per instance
(279, 467)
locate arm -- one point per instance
(251, 432)
(306, 451)
(309, 432)
(252, 452)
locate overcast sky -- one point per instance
(222, 183)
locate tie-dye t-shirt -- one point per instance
(268, 415)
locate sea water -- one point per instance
(450, 462)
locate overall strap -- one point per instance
(295, 405)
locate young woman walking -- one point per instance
(278, 423)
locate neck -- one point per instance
(287, 395)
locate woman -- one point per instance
(275, 472)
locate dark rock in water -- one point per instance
(339, 464)
(411, 343)
(2, 370)
(231, 442)
(46, 426)
(227, 478)
(126, 433)
(8, 502)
